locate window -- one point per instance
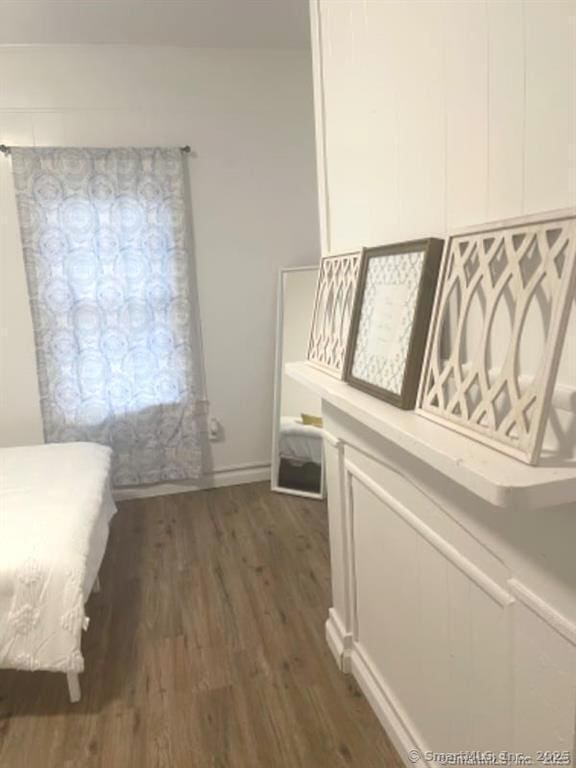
(105, 241)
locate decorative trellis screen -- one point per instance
(332, 311)
(495, 279)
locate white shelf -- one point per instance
(496, 478)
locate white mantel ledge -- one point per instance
(493, 476)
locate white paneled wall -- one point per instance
(467, 628)
(443, 113)
(438, 114)
(248, 116)
(506, 108)
(550, 106)
(465, 87)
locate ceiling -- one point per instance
(197, 23)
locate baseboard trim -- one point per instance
(388, 710)
(339, 641)
(219, 478)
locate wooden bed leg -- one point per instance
(96, 587)
(73, 687)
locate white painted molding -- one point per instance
(542, 609)
(339, 641)
(219, 478)
(335, 442)
(390, 467)
(350, 580)
(388, 709)
(464, 565)
(319, 112)
(347, 534)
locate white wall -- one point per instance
(248, 117)
(436, 114)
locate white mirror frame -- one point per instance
(275, 464)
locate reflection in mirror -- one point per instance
(297, 460)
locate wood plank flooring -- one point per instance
(206, 649)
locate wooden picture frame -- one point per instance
(410, 271)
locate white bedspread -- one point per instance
(55, 506)
(299, 442)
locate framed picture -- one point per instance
(390, 319)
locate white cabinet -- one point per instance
(456, 615)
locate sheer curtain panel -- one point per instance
(105, 236)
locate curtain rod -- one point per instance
(5, 150)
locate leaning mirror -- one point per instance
(297, 459)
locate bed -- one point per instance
(300, 452)
(298, 441)
(55, 508)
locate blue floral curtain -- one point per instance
(105, 237)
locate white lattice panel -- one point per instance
(494, 280)
(332, 311)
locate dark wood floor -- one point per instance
(206, 649)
